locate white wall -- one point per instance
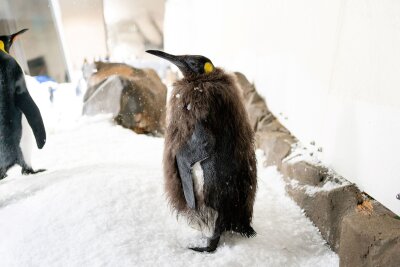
(331, 67)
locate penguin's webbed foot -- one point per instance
(212, 245)
(3, 173)
(27, 171)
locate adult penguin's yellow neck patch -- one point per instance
(208, 67)
(2, 47)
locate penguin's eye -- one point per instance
(208, 67)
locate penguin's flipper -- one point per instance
(26, 104)
(185, 174)
(198, 148)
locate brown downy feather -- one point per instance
(214, 99)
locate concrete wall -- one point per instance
(84, 30)
(133, 26)
(121, 29)
(42, 38)
(7, 26)
(331, 69)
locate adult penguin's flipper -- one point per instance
(198, 148)
(26, 104)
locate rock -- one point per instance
(254, 104)
(271, 136)
(259, 115)
(105, 98)
(370, 240)
(143, 105)
(276, 146)
(326, 209)
(136, 97)
(304, 172)
(269, 123)
(361, 230)
(104, 70)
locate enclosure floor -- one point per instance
(101, 203)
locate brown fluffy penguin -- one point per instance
(209, 159)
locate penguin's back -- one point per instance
(10, 115)
(8, 77)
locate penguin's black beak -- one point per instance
(178, 61)
(14, 36)
(11, 38)
(189, 65)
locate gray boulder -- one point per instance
(135, 97)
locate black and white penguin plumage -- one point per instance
(15, 100)
(209, 158)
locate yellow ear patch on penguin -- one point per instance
(208, 67)
(2, 47)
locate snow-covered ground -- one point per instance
(101, 203)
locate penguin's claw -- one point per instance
(205, 249)
(212, 245)
(31, 171)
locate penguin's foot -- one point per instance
(27, 171)
(212, 245)
(3, 172)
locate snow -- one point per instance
(310, 190)
(101, 203)
(302, 152)
(309, 154)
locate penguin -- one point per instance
(15, 100)
(209, 157)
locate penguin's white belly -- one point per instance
(204, 218)
(198, 181)
(26, 141)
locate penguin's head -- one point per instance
(189, 65)
(7, 40)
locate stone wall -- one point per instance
(358, 228)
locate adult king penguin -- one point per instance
(209, 159)
(15, 100)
